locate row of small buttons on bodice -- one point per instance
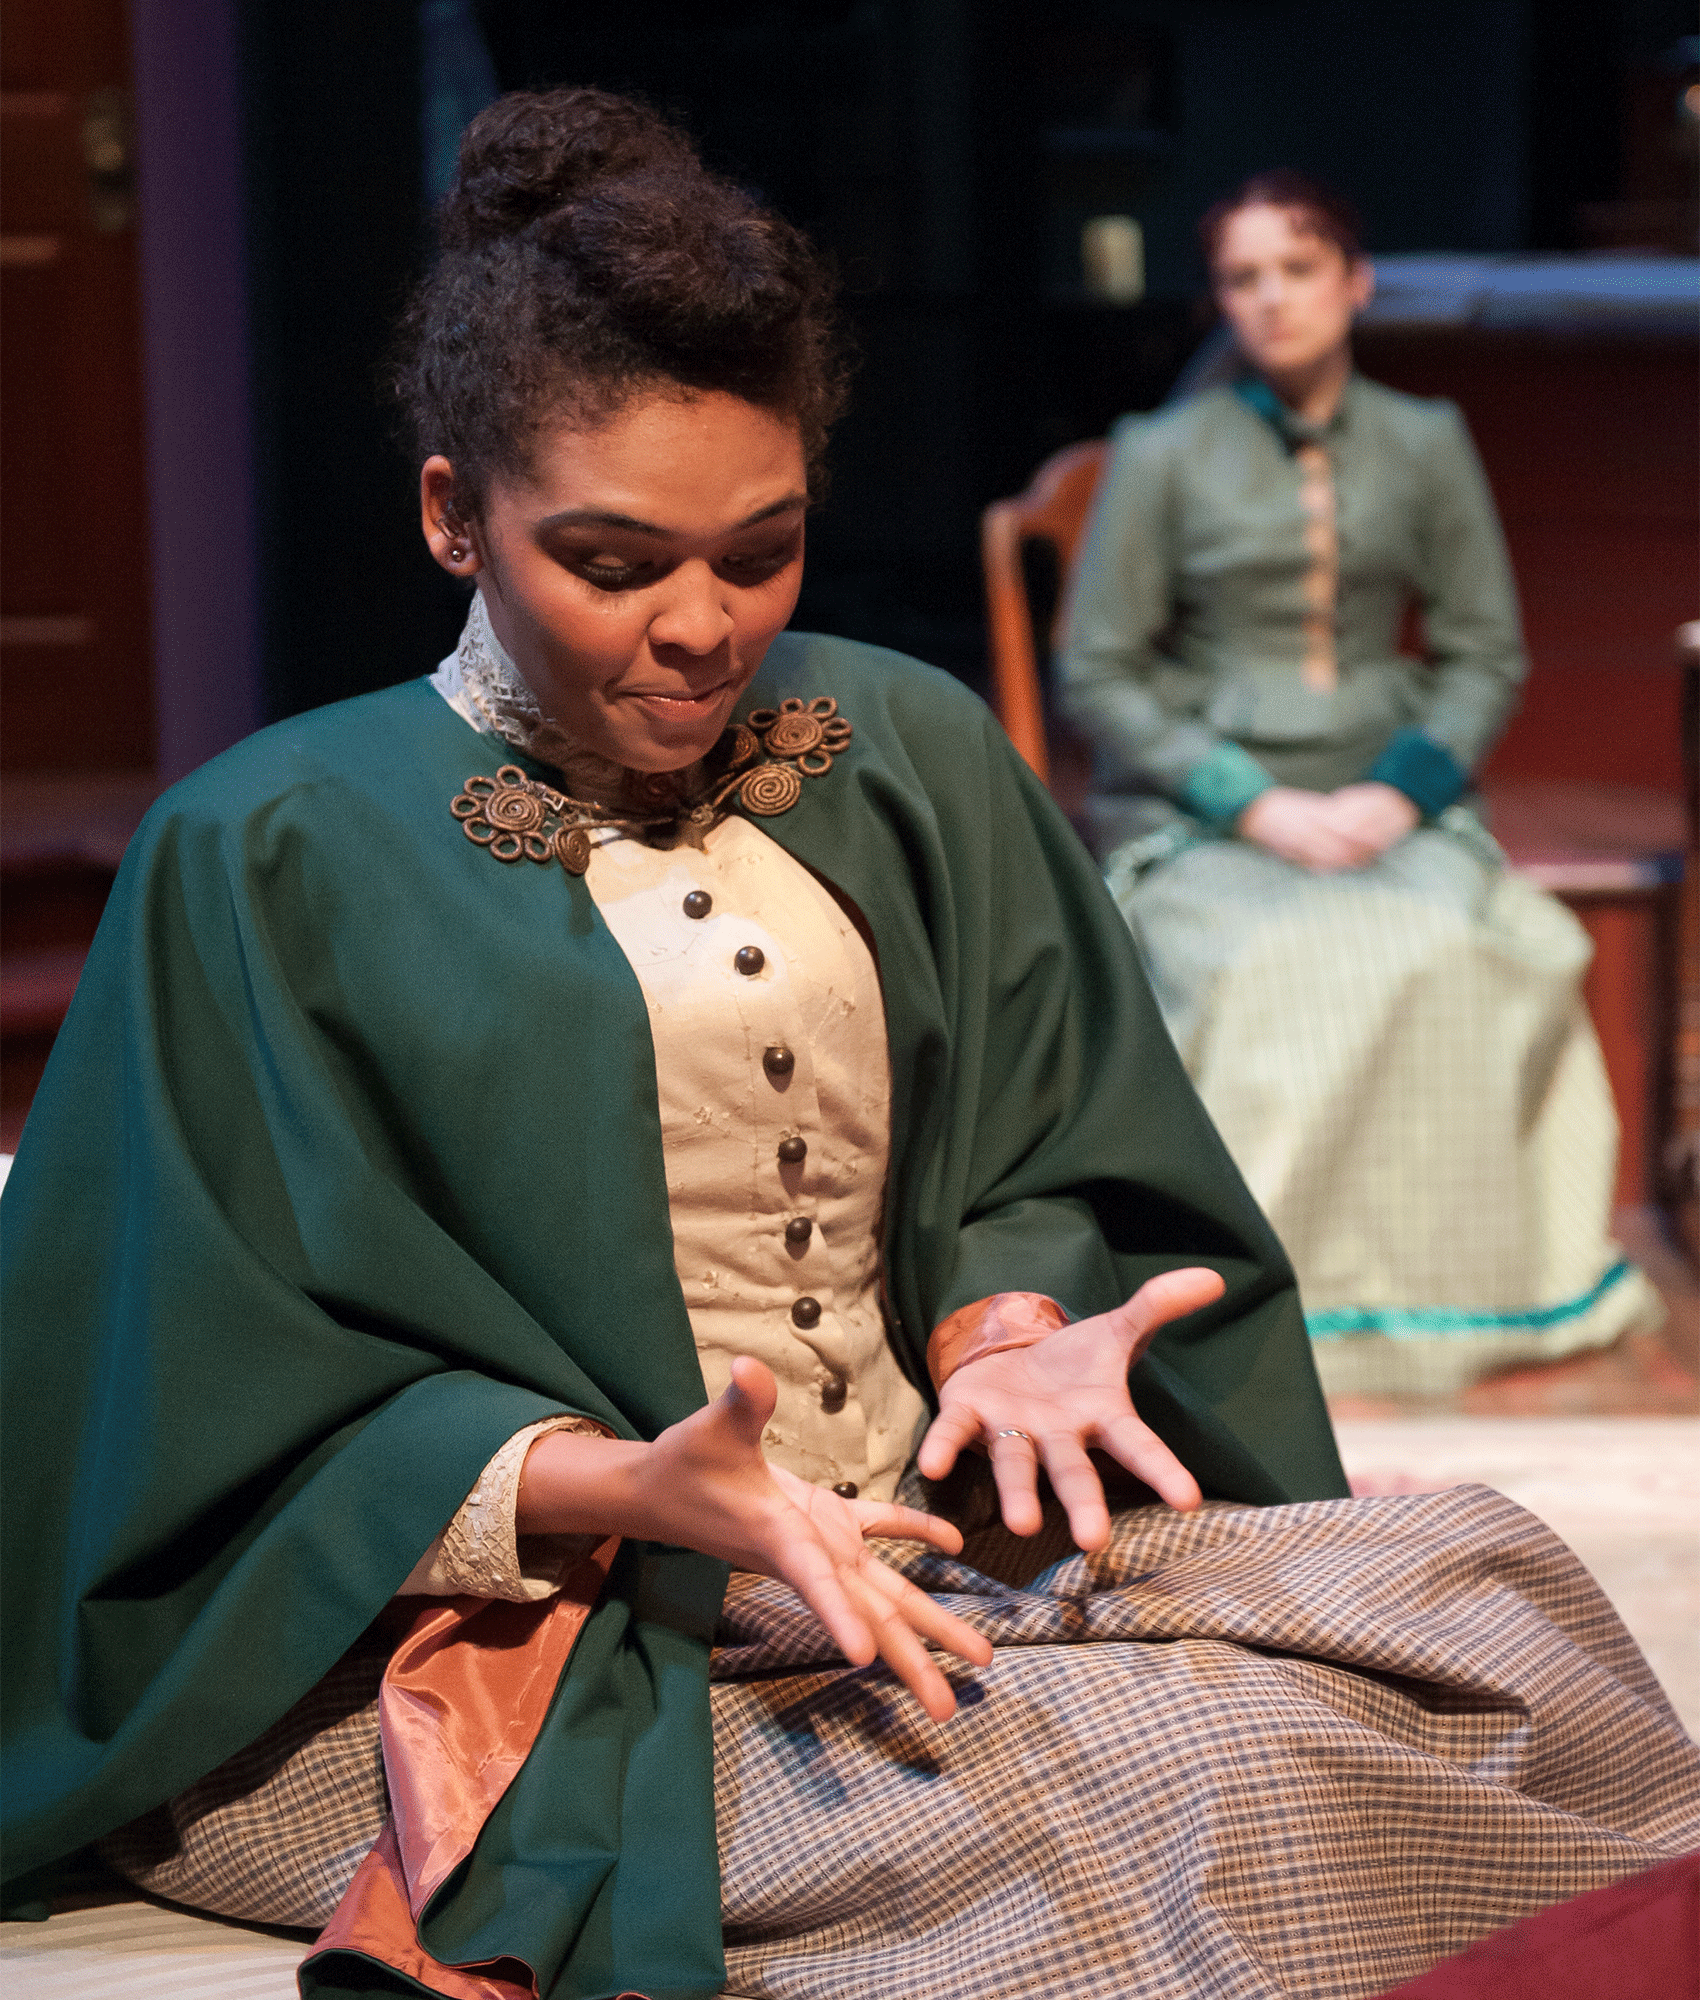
(778, 1063)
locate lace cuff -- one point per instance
(480, 1554)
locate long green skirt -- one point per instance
(1401, 1064)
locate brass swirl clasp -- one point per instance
(516, 819)
(761, 764)
(803, 737)
(770, 789)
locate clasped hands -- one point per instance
(1328, 832)
(703, 1483)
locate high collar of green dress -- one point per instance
(1292, 429)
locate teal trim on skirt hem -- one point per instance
(1414, 1322)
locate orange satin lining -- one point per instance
(462, 1701)
(374, 1918)
(989, 1326)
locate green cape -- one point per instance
(348, 1164)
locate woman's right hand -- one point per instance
(703, 1484)
(1303, 827)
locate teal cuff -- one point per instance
(1223, 783)
(1429, 776)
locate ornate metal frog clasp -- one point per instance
(809, 733)
(759, 765)
(516, 819)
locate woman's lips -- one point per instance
(678, 700)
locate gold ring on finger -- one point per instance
(1014, 1434)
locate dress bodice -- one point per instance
(741, 953)
(770, 1042)
(1188, 621)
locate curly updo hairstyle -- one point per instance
(588, 255)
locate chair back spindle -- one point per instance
(1053, 509)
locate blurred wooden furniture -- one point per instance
(78, 688)
(1613, 855)
(1053, 509)
(74, 642)
(1590, 444)
(1681, 1160)
(1611, 851)
(62, 836)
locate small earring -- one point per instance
(457, 553)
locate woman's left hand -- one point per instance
(1047, 1404)
(1376, 815)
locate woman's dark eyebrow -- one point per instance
(596, 517)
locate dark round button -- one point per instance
(834, 1395)
(749, 959)
(799, 1229)
(845, 1489)
(805, 1311)
(698, 903)
(777, 1060)
(793, 1149)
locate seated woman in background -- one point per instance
(1385, 1024)
(534, 1140)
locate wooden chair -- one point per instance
(1053, 509)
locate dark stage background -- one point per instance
(946, 153)
(212, 210)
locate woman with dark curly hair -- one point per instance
(667, 1099)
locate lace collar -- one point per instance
(504, 704)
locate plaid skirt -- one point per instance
(1400, 1062)
(1302, 1750)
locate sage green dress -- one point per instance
(1398, 1057)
